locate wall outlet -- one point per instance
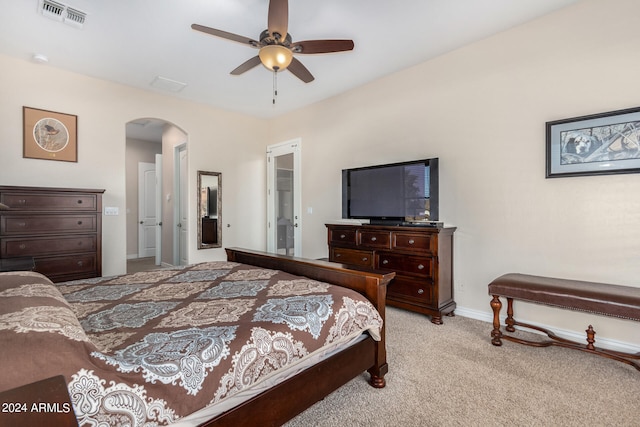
(109, 210)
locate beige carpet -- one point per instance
(451, 375)
(136, 265)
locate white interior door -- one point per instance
(147, 210)
(284, 189)
(158, 190)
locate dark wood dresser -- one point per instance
(421, 257)
(60, 228)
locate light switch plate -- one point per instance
(109, 210)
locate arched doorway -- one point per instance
(149, 189)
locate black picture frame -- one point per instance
(598, 144)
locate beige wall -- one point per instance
(220, 141)
(482, 110)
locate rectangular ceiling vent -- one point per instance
(53, 9)
(63, 13)
(75, 17)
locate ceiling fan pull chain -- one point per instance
(275, 86)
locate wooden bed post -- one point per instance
(377, 293)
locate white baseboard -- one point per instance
(607, 343)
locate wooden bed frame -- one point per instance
(286, 400)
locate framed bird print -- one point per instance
(49, 135)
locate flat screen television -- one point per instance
(393, 193)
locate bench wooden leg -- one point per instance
(496, 335)
(510, 321)
(591, 338)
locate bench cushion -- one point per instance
(600, 298)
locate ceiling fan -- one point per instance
(276, 45)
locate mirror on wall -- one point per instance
(209, 210)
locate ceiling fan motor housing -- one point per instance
(267, 38)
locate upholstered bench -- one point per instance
(598, 298)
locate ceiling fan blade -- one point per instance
(246, 66)
(278, 18)
(322, 46)
(300, 71)
(226, 35)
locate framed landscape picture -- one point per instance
(606, 143)
(49, 135)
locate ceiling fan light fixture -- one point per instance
(275, 57)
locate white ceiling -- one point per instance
(134, 41)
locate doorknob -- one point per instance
(141, 222)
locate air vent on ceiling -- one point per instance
(75, 17)
(52, 9)
(168, 84)
(63, 13)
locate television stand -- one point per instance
(421, 257)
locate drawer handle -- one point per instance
(22, 224)
(79, 201)
(373, 239)
(365, 259)
(79, 222)
(342, 236)
(22, 202)
(421, 267)
(80, 263)
(338, 255)
(411, 241)
(22, 246)
(385, 261)
(420, 291)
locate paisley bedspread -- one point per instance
(150, 348)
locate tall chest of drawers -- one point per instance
(421, 257)
(60, 228)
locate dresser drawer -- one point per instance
(413, 242)
(374, 239)
(419, 265)
(50, 202)
(53, 267)
(409, 289)
(346, 235)
(351, 256)
(47, 224)
(14, 247)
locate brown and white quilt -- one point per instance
(150, 348)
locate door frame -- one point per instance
(158, 254)
(178, 176)
(293, 146)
